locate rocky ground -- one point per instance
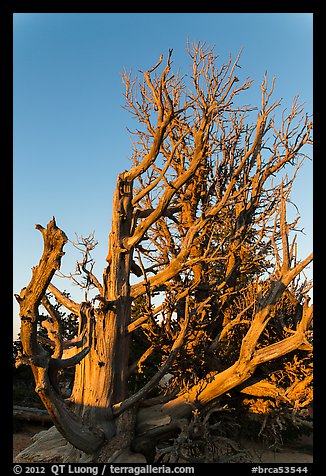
(301, 452)
(22, 437)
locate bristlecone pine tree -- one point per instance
(217, 295)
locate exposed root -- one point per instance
(200, 441)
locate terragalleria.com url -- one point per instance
(148, 468)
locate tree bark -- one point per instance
(101, 378)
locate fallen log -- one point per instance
(31, 414)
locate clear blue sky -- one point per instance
(70, 131)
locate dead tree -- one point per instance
(199, 218)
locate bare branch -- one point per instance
(64, 300)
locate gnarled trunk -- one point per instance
(101, 378)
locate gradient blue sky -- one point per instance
(70, 131)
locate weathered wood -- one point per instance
(29, 299)
(31, 414)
